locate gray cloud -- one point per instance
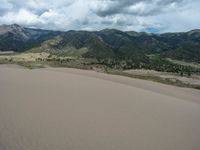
(137, 7)
(163, 15)
(5, 6)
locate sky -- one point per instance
(134, 15)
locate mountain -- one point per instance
(107, 43)
(182, 46)
(17, 38)
(100, 45)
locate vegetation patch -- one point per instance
(116, 66)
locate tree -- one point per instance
(181, 73)
(189, 74)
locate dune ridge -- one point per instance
(58, 108)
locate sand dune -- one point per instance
(69, 109)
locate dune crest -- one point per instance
(59, 109)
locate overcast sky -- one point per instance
(137, 15)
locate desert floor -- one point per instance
(70, 109)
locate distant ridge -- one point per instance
(18, 38)
(107, 43)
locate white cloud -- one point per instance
(139, 7)
(23, 17)
(168, 15)
(184, 19)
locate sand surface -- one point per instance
(69, 109)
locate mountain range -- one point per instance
(107, 43)
(19, 39)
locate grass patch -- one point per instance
(191, 64)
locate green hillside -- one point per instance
(104, 44)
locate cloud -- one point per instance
(22, 17)
(184, 19)
(137, 7)
(5, 6)
(139, 15)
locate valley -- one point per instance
(109, 50)
(35, 60)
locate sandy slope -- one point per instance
(59, 109)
